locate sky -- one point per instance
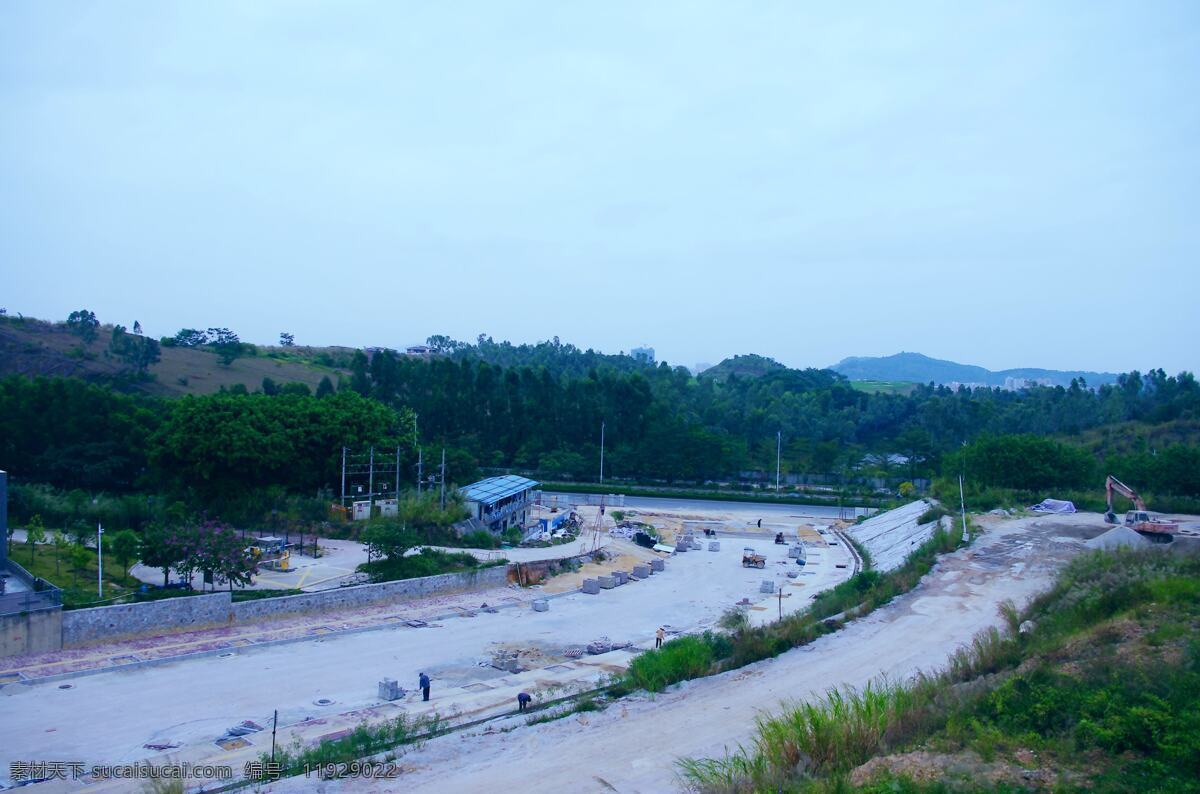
(1004, 184)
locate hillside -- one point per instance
(36, 347)
(747, 366)
(918, 368)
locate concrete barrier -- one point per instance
(541, 605)
(621, 577)
(658, 566)
(641, 572)
(767, 586)
(606, 582)
(714, 545)
(591, 587)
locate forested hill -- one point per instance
(918, 368)
(561, 358)
(539, 408)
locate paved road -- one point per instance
(684, 505)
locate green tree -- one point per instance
(225, 344)
(125, 546)
(35, 533)
(137, 351)
(325, 387)
(61, 543)
(79, 555)
(286, 339)
(83, 323)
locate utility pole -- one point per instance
(343, 476)
(963, 505)
(397, 493)
(602, 452)
(99, 560)
(778, 452)
(420, 469)
(443, 478)
(371, 485)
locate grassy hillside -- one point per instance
(883, 386)
(1094, 686)
(36, 347)
(918, 368)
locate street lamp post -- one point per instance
(99, 560)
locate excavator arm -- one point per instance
(1111, 485)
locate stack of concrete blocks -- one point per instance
(620, 577)
(641, 571)
(796, 552)
(541, 605)
(390, 690)
(683, 545)
(657, 566)
(607, 582)
(591, 586)
(714, 545)
(767, 586)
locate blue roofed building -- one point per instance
(500, 502)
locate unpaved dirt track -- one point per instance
(633, 745)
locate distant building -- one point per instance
(419, 351)
(500, 502)
(1016, 384)
(645, 354)
(700, 367)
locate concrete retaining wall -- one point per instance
(82, 627)
(38, 631)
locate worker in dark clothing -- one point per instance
(523, 701)
(424, 681)
(760, 523)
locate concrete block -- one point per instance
(606, 582)
(682, 546)
(621, 577)
(390, 690)
(591, 586)
(641, 572)
(767, 586)
(658, 565)
(714, 545)
(541, 605)
(796, 551)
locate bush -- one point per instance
(677, 660)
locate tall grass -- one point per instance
(834, 734)
(363, 741)
(678, 660)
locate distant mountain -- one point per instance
(747, 366)
(917, 368)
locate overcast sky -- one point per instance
(1005, 184)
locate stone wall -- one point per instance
(122, 621)
(104, 624)
(371, 594)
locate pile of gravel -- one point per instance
(1116, 538)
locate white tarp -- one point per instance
(1053, 506)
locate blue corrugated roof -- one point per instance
(493, 489)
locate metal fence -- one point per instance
(38, 593)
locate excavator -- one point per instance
(1138, 519)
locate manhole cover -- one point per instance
(323, 702)
(66, 686)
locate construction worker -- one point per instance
(523, 701)
(659, 636)
(424, 683)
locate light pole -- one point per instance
(602, 452)
(99, 560)
(778, 452)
